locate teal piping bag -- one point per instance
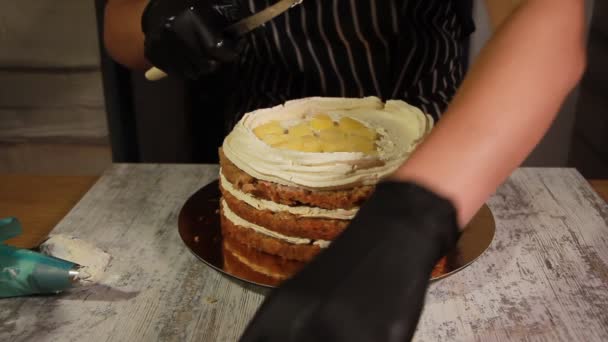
(24, 272)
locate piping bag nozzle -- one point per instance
(24, 272)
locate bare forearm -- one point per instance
(505, 105)
(499, 10)
(123, 37)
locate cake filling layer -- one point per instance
(305, 211)
(399, 126)
(236, 220)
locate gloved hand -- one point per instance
(186, 37)
(369, 285)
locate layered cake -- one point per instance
(293, 176)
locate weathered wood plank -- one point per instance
(88, 125)
(55, 158)
(75, 124)
(55, 90)
(601, 187)
(39, 202)
(49, 105)
(51, 33)
(156, 289)
(544, 278)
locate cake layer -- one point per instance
(253, 268)
(270, 260)
(239, 269)
(291, 195)
(265, 243)
(286, 223)
(269, 265)
(299, 211)
(296, 240)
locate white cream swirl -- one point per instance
(400, 126)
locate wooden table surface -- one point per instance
(39, 202)
(545, 276)
(601, 187)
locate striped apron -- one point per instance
(394, 49)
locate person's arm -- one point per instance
(506, 104)
(499, 10)
(123, 36)
(183, 38)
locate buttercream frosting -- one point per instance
(400, 128)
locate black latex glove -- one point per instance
(369, 285)
(186, 37)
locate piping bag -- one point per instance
(24, 272)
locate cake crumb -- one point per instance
(196, 239)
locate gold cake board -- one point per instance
(199, 228)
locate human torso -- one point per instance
(393, 49)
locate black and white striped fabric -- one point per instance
(394, 49)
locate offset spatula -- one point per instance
(241, 28)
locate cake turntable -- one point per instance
(199, 228)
